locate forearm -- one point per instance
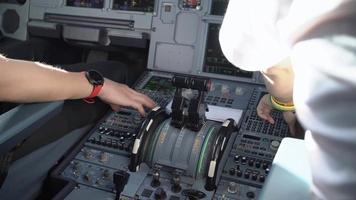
(23, 81)
(279, 81)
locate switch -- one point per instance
(88, 178)
(155, 179)
(258, 164)
(232, 171)
(238, 173)
(160, 194)
(267, 170)
(236, 158)
(247, 175)
(264, 165)
(250, 195)
(243, 160)
(106, 174)
(120, 179)
(176, 184)
(254, 176)
(261, 178)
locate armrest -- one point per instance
(20, 122)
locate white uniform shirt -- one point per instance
(320, 38)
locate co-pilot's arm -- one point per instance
(25, 81)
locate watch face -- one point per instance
(95, 77)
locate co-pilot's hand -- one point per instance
(117, 95)
(264, 109)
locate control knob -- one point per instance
(233, 188)
(274, 145)
(160, 194)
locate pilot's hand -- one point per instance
(291, 120)
(116, 95)
(264, 109)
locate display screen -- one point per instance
(134, 5)
(86, 3)
(215, 61)
(219, 7)
(191, 4)
(161, 84)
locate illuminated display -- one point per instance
(134, 5)
(215, 61)
(191, 4)
(86, 3)
(159, 84)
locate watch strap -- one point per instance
(94, 93)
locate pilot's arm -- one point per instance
(25, 81)
(322, 51)
(249, 41)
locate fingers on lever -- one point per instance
(138, 106)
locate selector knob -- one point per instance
(274, 145)
(160, 194)
(233, 188)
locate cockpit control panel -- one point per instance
(127, 156)
(173, 155)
